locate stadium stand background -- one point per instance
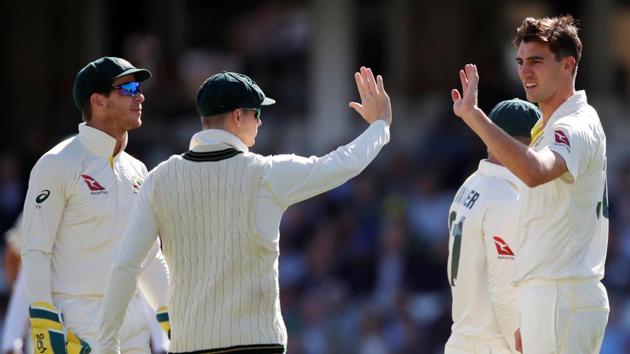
(362, 267)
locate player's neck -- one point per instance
(115, 132)
(549, 106)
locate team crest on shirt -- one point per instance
(561, 139)
(503, 250)
(136, 183)
(93, 185)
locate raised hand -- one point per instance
(375, 103)
(463, 106)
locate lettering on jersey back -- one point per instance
(467, 197)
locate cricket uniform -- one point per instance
(217, 209)
(78, 204)
(563, 237)
(482, 223)
(15, 326)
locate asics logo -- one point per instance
(42, 196)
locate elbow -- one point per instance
(531, 181)
(533, 178)
(125, 269)
(351, 165)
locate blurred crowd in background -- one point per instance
(363, 267)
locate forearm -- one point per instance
(349, 160)
(37, 273)
(119, 290)
(135, 244)
(504, 303)
(11, 265)
(154, 279)
(16, 319)
(521, 160)
(295, 178)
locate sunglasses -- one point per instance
(257, 110)
(128, 89)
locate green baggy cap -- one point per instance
(226, 91)
(516, 117)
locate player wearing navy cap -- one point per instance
(78, 204)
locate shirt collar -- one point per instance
(98, 141)
(494, 170)
(569, 106)
(215, 139)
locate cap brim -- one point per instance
(139, 74)
(268, 101)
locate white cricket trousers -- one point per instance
(562, 316)
(82, 316)
(461, 344)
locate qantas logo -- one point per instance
(502, 248)
(93, 185)
(561, 138)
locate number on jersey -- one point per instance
(456, 233)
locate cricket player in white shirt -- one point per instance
(217, 210)
(15, 329)
(78, 204)
(482, 245)
(15, 323)
(563, 227)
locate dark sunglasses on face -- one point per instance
(128, 89)
(257, 110)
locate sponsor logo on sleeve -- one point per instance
(561, 139)
(41, 197)
(93, 185)
(503, 250)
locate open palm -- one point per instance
(375, 103)
(469, 77)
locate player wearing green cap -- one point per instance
(482, 223)
(217, 209)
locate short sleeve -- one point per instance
(571, 143)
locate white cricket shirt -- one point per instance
(563, 229)
(282, 180)
(482, 245)
(78, 204)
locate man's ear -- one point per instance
(97, 100)
(569, 64)
(237, 117)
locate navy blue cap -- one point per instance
(98, 75)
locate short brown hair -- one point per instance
(559, 33)
(86, 111)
